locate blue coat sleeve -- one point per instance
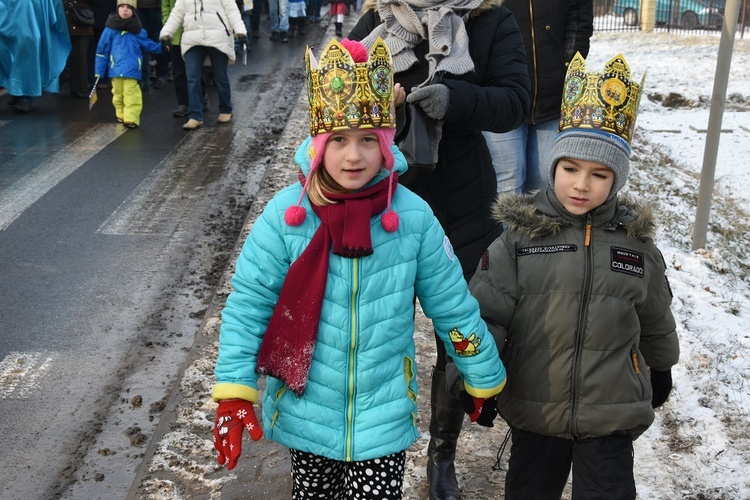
(148, 45)
(103, 49)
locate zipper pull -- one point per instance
(587, 241)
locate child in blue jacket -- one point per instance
(119, 56)
(323, 299)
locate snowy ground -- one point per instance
(699, 445)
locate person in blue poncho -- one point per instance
(34, 43)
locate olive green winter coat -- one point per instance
(579, 323)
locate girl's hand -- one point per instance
(399, 94)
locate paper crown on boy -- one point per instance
(597, 117)
(350, 88)
(132, 3)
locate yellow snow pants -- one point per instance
(127, 100)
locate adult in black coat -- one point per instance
(478, 51)
(552, 34)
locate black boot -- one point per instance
(339, 29)
(445, 425)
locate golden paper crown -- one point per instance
(348, 95)
(605, 101)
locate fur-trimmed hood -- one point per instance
(486, 5)
(542, 214)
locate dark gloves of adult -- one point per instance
(242, 41)
(433, 99)
(661, 383)
(480, 410)
(232, 416)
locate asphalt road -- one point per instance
(112, 242)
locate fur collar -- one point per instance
(534, 216)
(486, 5)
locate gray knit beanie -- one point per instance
(593, 145)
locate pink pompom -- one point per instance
(357, 50)
(389, 221)
(295, 215)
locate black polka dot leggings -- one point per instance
(314, 476)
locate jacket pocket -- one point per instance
(644, 384)
(410, 375)
(279, 394)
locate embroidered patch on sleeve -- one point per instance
(448, 248)
(485, 260)
(520, 252)
(626, 261)
(464, 346)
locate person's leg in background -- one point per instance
(219, 62)
(79, 73)
(180, 82)
(539, 145)
(151, 21)
(194, 71)
(446, 420)
(508, 153)
(132, 100)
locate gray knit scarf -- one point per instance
(407, 22)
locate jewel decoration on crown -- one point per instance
(348, 95)
(605, 101)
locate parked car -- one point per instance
(688, 14)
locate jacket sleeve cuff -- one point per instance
(485, 393)
(226, 390)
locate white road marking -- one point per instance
(27, 190)
(20, 373)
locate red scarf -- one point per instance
(289, 343)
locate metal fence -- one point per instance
(671, 15)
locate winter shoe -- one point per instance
(131, 125)
(445, 425)
(339, 29)
(180, 111)
(160, 83)
(23, 106)
(284, 37)
(224, 118)
(192, 124)
(275, 36)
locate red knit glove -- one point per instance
(480, 410)
(232, 416)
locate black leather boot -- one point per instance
(339, 29)
(445, 426)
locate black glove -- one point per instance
(166, 47)
(661, 383)
(481, 411)
(242, 41)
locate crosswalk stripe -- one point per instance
(27, 190)
(20, 373)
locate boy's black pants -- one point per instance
(539, 467)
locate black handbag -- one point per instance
(415, 145)
(81, 15)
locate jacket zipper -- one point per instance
(352, 358)
(223, 24)
(536, 68)
(582, 311)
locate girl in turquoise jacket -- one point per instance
(323, 303)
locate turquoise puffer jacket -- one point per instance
(360, 400)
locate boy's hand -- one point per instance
(661, 383)
(166, 46)
(480, 410)
(232, 416)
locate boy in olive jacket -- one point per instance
(576, 294)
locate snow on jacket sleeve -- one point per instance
(259, 274)
(445, 299)
(659, 343)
